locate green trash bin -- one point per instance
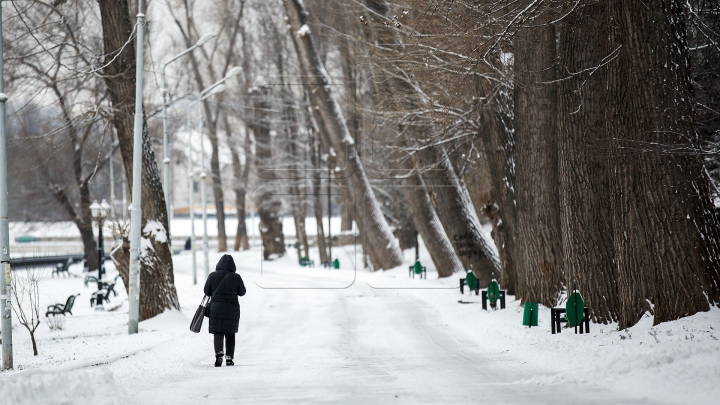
(336, 264)
(530, 315)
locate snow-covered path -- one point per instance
(341, 336)
(358, 345)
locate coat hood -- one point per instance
(226, 263)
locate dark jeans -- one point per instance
(229, 344)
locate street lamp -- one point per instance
(5, 303)
(99, 213)
(215, 90)
(166, 158)
(211, 90)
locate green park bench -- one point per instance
(492, 294)
(62, 268)
(25, 239)
(471, 282)
(103, 294)
(418, 269)
(60, 309)
(335, 264)
(306, 262)
(574, 314)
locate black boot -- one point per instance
(229, 361)
(218, 359)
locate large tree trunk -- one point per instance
(430, 228)
(317, 202)
(499, 145)
(241, 173)
(218, 192)
(458, 217)
(539, 248)
(297, 200)
(267, 200)
(665, 238)
(373, 225)
(584, 163)
(157, 289)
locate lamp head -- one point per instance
(95, 209)
(104, 208)
(233, 72)
(205, 38)
(218, 89)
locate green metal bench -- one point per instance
(493, 294)
(60, 309)
(471, 282)
(574, 314)
(306, 262)
(62, 268)
(418, 269)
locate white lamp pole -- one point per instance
(136, 212)
(214, 88)
(5, 301)
(166, 156)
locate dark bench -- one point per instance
(417, 268)
(62, 268)
(556, 318)
(501, 298)
(60, 309)
(305, 262)
(327, 264)
(463, 283)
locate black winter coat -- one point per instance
(224, 308)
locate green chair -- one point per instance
(418, 269)
(471, 282)
(60, 309)
(493, 294)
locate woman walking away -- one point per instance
(224, 286)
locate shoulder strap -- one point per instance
(218, 287)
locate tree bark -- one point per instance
(458, 217)
(157, 289)
(539, 242)
(267, 200)
(499, 144)
(317, 203)
(218, 194)
(584, 163)
(665, 236)
(373, 225)
(241, 173)
(430, 228)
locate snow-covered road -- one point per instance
(357, 345)
(341, 336)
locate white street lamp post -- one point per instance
(5, 301)
(166, 157)
(136, 212)
(214, 89)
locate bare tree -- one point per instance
(26, 291)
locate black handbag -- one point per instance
(204, 309)
(197, 320)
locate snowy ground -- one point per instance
(330, 336)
